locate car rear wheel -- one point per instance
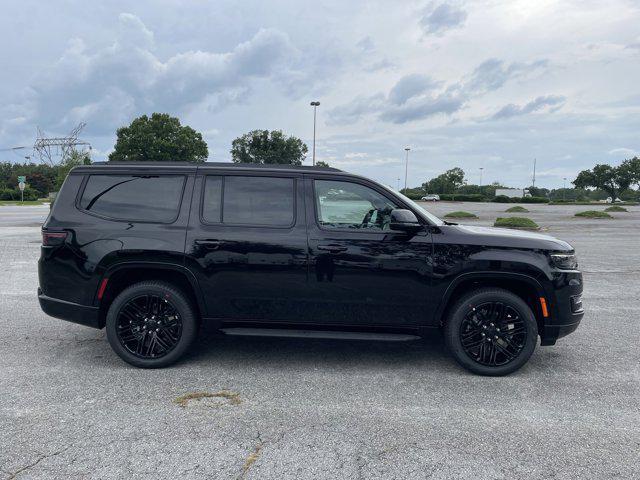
(151, 324)
(491, 332)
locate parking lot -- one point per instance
(294, 408)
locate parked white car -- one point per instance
(431, 197)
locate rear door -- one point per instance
(247, 244)
(361, 272)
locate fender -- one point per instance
(160, 266)
(484, 275)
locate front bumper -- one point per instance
(567, 309)
(69, 311)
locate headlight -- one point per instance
(564, 261)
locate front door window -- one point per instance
(347, 205)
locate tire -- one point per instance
(151, 324)
(488, 339)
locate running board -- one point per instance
(328, 334)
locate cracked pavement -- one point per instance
(326, 408)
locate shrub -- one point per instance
(532, 200)
(413, 195)
(516, 222)
(463, 197)
(505, 199)
(593, 214)
(516, 209)
(615, 208)
(13, 194)
(460, 214)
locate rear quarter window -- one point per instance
(154, 199)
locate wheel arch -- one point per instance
(524, 286)
(123, 275)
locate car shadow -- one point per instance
(213, 347)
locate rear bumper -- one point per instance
(69, 311)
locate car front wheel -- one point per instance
(151, 324)
(491, 331)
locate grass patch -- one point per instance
(460, 214)
(26, 202)
(232, 398)
(251, 459)
(516, 222)
(616, 208)
(593, 214)
(516, 209)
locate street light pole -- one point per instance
(564, 189)
(406, 168)
(481, 168)
(315, 105)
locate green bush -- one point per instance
(413, 195)
(13, 194)
(532, 200)
(593, 214)
(505, 199)
(615, 208)
(516, 222)
(463, 197)
(460, 214)
(516, 209)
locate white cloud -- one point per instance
(625, 152)
(549, 102)
(440, 17)
(108, 85)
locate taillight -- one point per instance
(53, 239)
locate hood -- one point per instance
(504, 237)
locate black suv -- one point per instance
(151, 250)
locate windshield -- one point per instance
(432, 218)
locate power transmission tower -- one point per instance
(51, 148)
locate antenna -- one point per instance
(51, 148)
(533, 182)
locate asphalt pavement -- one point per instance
(293, 408)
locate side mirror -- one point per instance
(404, 221)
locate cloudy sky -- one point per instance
(485, 83)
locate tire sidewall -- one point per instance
(178, 300)
(461, 309)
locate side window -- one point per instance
(133, 198)
(351, 205)
(212, 204)
(239, 200)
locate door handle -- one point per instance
(208, 243)
(332, 248)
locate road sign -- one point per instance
(22, 179)
(21, 186)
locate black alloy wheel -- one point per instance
(491, 331)
(151, 324)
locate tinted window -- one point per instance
(351, 205)
(211, 208)
(133, 198)
(264, 201)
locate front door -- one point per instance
(361, 272)
(247, 242)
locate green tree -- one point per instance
(159, 138)
(74, 159)
(631, 169)
(320, 163)
(262, 146)
(612, 180)
(447, 182)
